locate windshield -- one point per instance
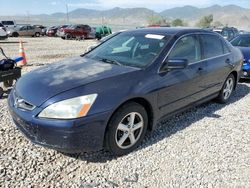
(130, 49)
(242, 41)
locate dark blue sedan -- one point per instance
(110, 96)
(243, 43)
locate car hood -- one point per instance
(246, 52)
(38, 86)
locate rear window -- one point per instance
(8, 23)
(212, 46)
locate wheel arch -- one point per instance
(143, 102)
(235, 74)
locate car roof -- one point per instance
(169, 30)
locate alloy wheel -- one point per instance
(129, 130)
(228, 89)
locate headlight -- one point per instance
(70, 108)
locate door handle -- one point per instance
(200, 70)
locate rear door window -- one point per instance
(212, 46)
(187, 47)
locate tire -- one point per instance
(227, 90)
(1, 92)
(37, 34)
(120, 131)
(8, 83)
(15, 34)
(68, 37)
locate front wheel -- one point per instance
(227, 90)
(126, 129)
(37, 34)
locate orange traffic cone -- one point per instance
(22, 54)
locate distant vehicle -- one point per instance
(60, 32)
(3, 33)
(54, 30)
(102, 31)
(243, 43)
(27, 30)
(43, 28)
(9, 24)
(227, 32)
(51, 31)
(76, 32)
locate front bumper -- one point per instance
(70, 136)
(3, 37)
(246, 71)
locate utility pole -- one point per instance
(67, 12)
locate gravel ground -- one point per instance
(207, 146)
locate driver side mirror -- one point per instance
(174, 64)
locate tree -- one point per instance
(177, 22)
(206, 21)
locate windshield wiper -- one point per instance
(114, 62)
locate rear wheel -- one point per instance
(227, 90)
(126, 129)
(15, 34)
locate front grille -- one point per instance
(20, 103)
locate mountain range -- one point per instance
(230, 15)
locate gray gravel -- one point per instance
(207, 146)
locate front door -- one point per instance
(180, 88)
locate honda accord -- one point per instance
(110, 96)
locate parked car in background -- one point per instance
(76, 32)
(26, 30)
(3, 33)
(60, 32)
(9, 24)
(227, 32)
(102, 31)
(112, 95)
(51, 31)
(43, 28)
(243, 43)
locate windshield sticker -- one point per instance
(152, 36)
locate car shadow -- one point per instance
(166, 128)
(12, 42)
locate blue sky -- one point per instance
(17, 7)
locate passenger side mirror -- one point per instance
(173, 64)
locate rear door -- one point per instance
(218, 58)
(182, 87)
(30, 31)
(22, 31)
